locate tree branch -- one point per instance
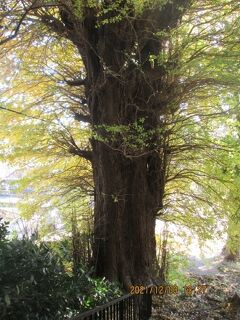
(86, 154)
(16, 31)
(22, 114)
(82, 117)
(34, 6)
(76, 82)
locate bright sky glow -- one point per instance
(5, 170)
(193, 248)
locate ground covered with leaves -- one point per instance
(219, 300)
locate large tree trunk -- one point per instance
(123, 88)
(125, 211)
(128, 190)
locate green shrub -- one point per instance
(32, 282)
(35, 286)
(89, 292)
(178, 265)
(3, 230)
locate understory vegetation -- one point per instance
(35, 284)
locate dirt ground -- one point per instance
(214, 296)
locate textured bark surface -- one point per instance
(124, 217)
(122, 87)
(128, 194)
(128, 189)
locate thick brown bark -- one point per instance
(122, 88)
(129, 184)
(124, 217)
(128, 191)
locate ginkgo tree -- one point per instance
(138, 64)
(39, 125)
